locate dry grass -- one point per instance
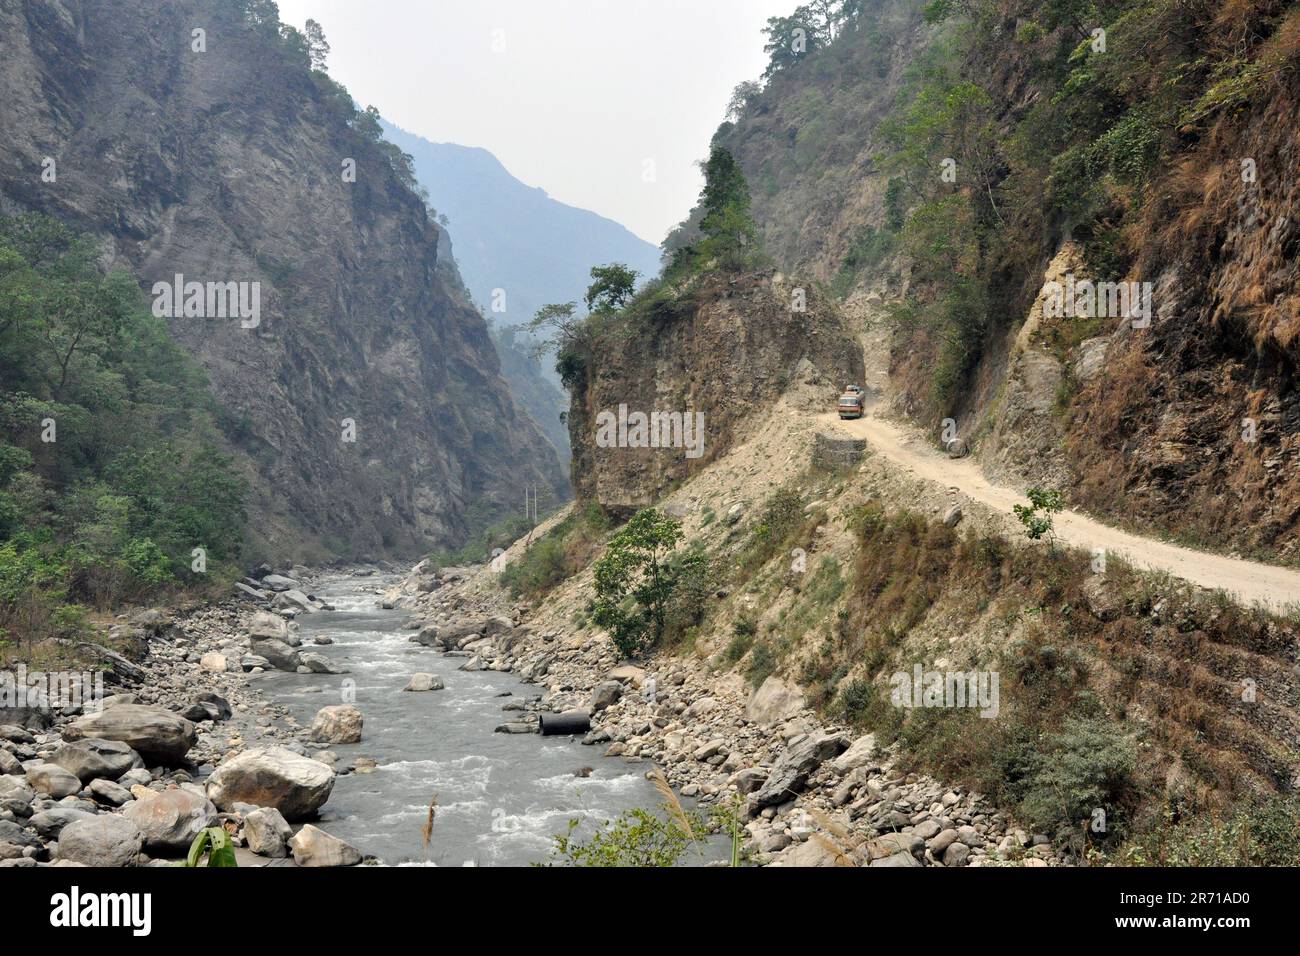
(1172, 679)
(426, 831)
(676, 812)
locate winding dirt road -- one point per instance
(1250, 581)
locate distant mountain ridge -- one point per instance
(514, 237)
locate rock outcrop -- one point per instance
(732, 347)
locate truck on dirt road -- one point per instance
(852, 402)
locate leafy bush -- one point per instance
(1085, 767)
(637, 838)
(777, 528)
(1262, 833)
(762, 663)
(743, 631)
(556, 557)
(692, 593)
(638, 576)
(1037, 516)
(216, 845)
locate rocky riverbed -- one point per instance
(185, 743)
(314, 735)
(813, 793)
(192, 740)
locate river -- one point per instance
(501, 797)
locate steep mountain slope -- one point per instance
(937, 174)
(514, 237)
(366, 394)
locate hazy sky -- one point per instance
(585, 98)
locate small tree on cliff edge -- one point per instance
(570, 336)
(728, 233)
(611, 287)
(635, 580)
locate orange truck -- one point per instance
(851, 402)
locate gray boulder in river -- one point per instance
(94, 758)
(297, 786)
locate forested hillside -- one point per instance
(115, 480)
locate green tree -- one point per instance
(562, 331)
(318, 48)
(611, 287)
(728, 233)
(112, 509)
(635, 579)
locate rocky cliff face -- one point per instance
(1180, 174)
(366, 396)
(725, 350)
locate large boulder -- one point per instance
(267, 833)
(280, 654)
(106, 791)
(215, 661)
(297, 786)
(93, 758)
(894, 843)
(628, 674)
(50, 823)
(795, 766)
(207, 706)
(428, 636)
(773, 701)
(105, 840)
(451, 635)
(268, 626)
(812, 853)
(53, 780)
(16, 795)
(19, 837)
(169, 821)
(278, 582)
(152, 732)
(339, 724)
(605, 694)
(293, 598)
(859, 754)
(35, 714)
(16, 734)
(896, 860)
(314, 847)
(318, 663)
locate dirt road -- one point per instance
(1248, 580)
